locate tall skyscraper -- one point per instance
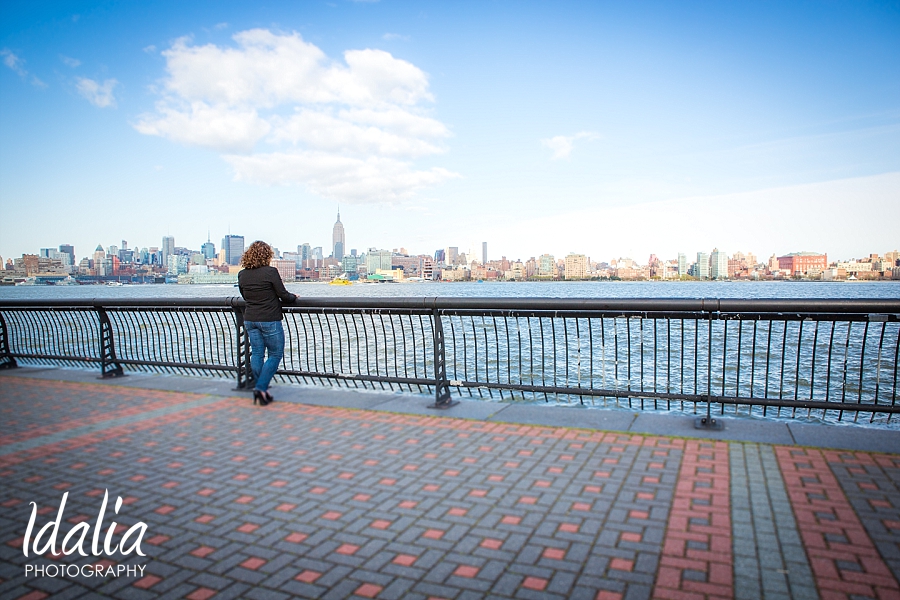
(338, 243)
(451, 254)
(718, 265)
(682, 264)
(208, 250)
(702, 267)
(70, 250)
(233, 245)
(483, 253)
(168, 248)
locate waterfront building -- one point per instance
(177, 264)
(286, 268)
(317, 253)
(208, 249)
(516, 271)
(338, 242)
(70, 250)
(456, 274)
(294, 256)
(54, 254)
(233, 245)
(854, 267)
(701, 268)
(409, 264)
(546, 266)
(800, 264)
(451, 254)
(682, 264)
(439, 257)
(576, 266)
(484, 253)
(378, 259)
(167, 249)
(426, 267)
(329, 272)
(350, 265)
(99, 261)
(718, 264)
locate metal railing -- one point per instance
(822, 355)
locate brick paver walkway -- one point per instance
(295, 500)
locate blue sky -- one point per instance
(611, 129)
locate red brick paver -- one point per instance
(844, 561)
(701, 513)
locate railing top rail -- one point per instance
(725, 305)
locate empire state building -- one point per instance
(337, 238)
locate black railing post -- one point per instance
(242, 351)
(708, 422)
(441, 384)
(109, 366)
(6, 359)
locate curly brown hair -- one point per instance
(259, 254)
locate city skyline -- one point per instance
(596, 128)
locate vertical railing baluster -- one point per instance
(442, 398)
(242, 350)
(109, 366)
(6, 359)
(862, 366)
(878, 368)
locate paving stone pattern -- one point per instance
(293, 500)
(769, 559)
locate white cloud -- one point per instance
(98, 94)
(69, 61)
(217, 127)
(220, 26)
(339, 177)
(562, 145)
(150, 49)
(325, 132)
(268, 70)
(15, 62)
(347, 130)
(12, 60)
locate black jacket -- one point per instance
(264, 293)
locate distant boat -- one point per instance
(339, 281)
(115, 283)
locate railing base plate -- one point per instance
(113, 375)
(710, 424)
(443, 405)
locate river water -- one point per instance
(581, 351)
(550, 289)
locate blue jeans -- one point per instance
(265, 335)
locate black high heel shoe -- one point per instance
(269, 397)
(260, 397)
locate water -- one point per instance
(564, 352)
(550, 289)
